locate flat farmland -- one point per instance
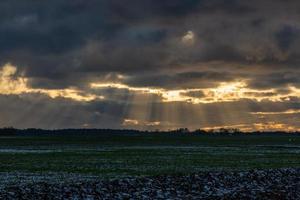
(118, 155)
(149, 166)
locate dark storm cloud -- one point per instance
(60, 26)
(286, 36)
(193, 79)
(53, 39)
(50, 40)
(275, 80)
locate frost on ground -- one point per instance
(254, 184)
(18, 178)
(25, 151)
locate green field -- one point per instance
(152, 154)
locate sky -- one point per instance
(150, 64)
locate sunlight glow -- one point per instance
(287, 112)
(14, 83)
(10, 83)
(130, 122)
(266, 126)
(274, 126)
(188, 38)
(229, 89)
(141, 123)
(226, 91)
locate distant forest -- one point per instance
(9, 131)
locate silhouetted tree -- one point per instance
(8, 131)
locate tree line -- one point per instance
(10, 131)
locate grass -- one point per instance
(123, 155)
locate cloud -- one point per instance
(152, 58)
(286, 37)
(188, 38)
(10, 84)
(41, 111)
(19, 85)
(194, 94)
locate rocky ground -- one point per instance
(254, 184)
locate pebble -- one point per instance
(254, 184)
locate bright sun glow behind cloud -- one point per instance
(12, 84)
(226, 91)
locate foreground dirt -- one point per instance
(255, 184)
